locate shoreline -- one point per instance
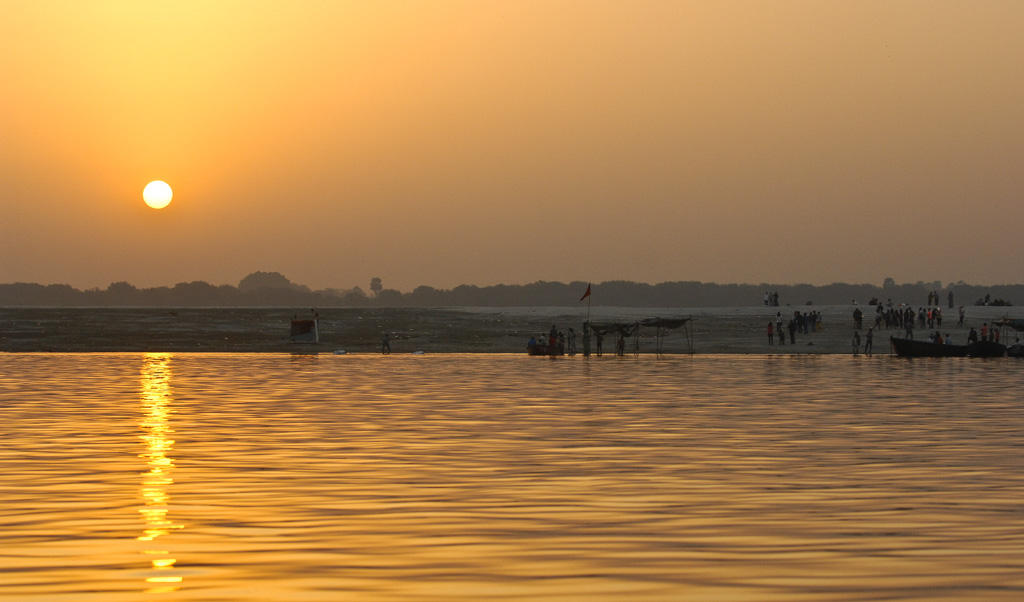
(740, 330)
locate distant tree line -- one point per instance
(271, 289)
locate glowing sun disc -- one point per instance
(157, 194)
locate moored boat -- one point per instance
(1017, 325)
(986, 349)
(544, 349)
(305, 331)
(912, 348)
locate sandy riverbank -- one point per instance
(431, 330)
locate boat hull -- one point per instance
(912, 348)
(986, 349)
(541, 349)
(305, 331)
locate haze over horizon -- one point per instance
(484, 142)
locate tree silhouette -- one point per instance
(261, 280)
(271, 289)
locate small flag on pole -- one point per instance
(586, 294)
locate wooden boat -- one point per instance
(1015, 350)
(912, 348)
(545, 349)
(305, 331)
(986, 349)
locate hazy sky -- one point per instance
(482, 142)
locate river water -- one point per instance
(505, 477)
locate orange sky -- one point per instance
(441, 143)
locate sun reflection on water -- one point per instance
(465, 477)
(155, 397)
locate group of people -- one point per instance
(936, 337)
(562, 342)
(555, 339)
(987, 334)
(933, 298)
(895, 318)
(771, 299)
(801, 323)
(869, 338)
(905, 318)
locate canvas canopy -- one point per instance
(661, 325)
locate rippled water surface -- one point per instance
(505, 477)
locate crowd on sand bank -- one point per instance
(833, 329)
(897, 320)
(825, 329)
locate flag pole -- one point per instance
(586, 325)
(588, 305)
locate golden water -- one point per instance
(468, 477)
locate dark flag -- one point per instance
(586, 294)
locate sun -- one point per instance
(157, 194)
